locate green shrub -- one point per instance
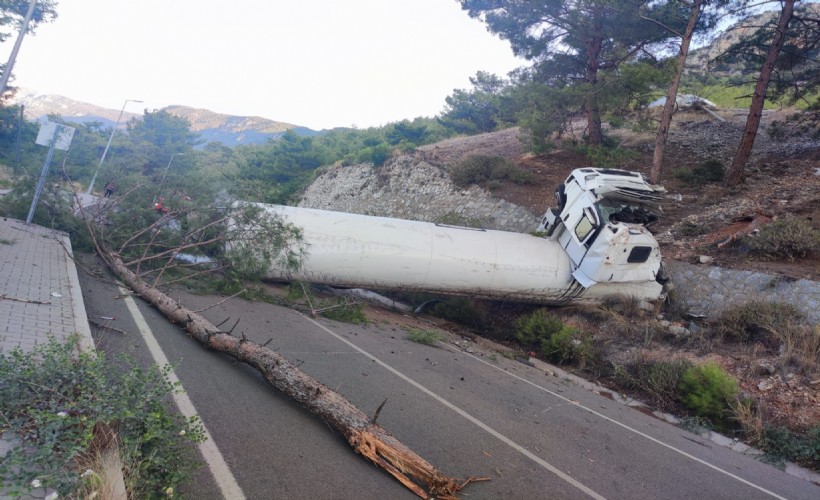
(569, 345)
(559, 346)
(460, 310)
(778, 130)
(540, 325)
(786, 238)
(377, 155)
(343, 310)
(555, 340)
(708, 171)
(782, 444)
(658, 381)
(708, 390)
(689, 229)
(616, 121)
(606, 156)
(426, 337)
(661, 381)
(756, 321)
(481, 169)
(55, 401)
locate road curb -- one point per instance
(78, 304)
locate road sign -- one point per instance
(62, 139)
(55, 136)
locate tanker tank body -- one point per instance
(352, 250)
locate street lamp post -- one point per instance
(110, 138)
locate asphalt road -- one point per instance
(534, 435)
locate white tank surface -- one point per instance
(350, 250)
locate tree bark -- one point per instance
(595, 135)
(362, 433)
(744, 150)
(672, 94)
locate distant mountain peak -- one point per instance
(203, 119)
(39, 105)
(230, 130)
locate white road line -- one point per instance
(608, 419)
(216, 463)
(543, 463)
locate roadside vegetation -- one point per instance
(300, 296)
(691, 371)
(66, 410)
(421, 336)
(488, 171)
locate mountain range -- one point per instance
(229, 130)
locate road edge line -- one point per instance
(486, 428)
(222, 474)
(620, 424)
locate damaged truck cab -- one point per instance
(601, 223)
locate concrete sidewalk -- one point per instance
(39, 290)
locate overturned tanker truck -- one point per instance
(594, 245)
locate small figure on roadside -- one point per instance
(110, 188)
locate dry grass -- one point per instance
(757, 321)
(101, 467)
(800, 347)
(749, 415)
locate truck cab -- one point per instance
(601, 222)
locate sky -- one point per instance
(314, 63)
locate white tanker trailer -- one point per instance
(594, 245)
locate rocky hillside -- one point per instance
(700, 60)
(419, 187)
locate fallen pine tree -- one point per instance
(363, 434)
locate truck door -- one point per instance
(579, 235)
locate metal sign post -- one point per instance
(55, 136)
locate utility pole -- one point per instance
(55, 136)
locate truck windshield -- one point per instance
(618, 211)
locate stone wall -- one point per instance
(408, 188)
(709, 289)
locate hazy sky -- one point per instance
(317, 63)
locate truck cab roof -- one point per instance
(615, 184)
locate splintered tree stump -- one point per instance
(365, 436)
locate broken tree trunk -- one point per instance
(672, 93)
(362, 433)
